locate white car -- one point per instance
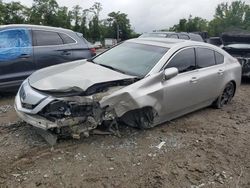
(142, 82)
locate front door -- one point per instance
(16, 56)
(180, 92)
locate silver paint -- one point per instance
(170, 98)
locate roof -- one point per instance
(171, 32)
(173, 43)
(164, 42)
(33, 26)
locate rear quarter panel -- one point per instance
(233, 71)
(81, 50)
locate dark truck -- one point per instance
(237, 44)
(27, 48)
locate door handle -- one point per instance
(24, 56)
(221, 72)
(194, 80)
(65, 53)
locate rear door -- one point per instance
(49, 49)
(211, 73)
(69, 47)
(16, 56)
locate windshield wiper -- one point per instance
(108, 66)
(112, 68)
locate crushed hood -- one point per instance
(74, 76)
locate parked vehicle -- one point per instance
(238, 45)
(97, 44)
(203, 34)
(142, 82)
(27, 48)
(108, 42)
(215, 41)
(182, 35)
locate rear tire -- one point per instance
(226, 96)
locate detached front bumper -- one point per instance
(34, 120)
(30, 104)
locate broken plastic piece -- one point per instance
(160, 145)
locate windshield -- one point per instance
(132, 58)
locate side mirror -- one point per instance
(170, 73)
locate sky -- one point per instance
(148, 15)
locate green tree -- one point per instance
(120, 24)
(94, 24)
(87, 21)
(94, 29)
(44, 12)
(246, 21)
(191, 25)
(229, 16)
(13, 13)
(83, 26)
(2, 8)
(96, 9)
(76, 15)
(63, 18)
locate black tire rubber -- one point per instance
(140, 118)
(226, 96)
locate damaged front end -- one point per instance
(237, 44)
(242, 55)
(70, 112)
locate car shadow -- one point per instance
(6, 95)
(245, 81)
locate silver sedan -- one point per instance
(142, 82)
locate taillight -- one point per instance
(93, 51)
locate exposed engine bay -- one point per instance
(81, 114)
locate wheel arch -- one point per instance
(235, 86)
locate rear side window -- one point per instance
(67, 39)
(185, 37)
(173, 36)
(196, 38)
(184, 61)
(204, 57)
(46, 38)
(219, 58)
(80, 35)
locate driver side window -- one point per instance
(184, 60)
(13, 43)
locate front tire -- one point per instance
(226, 96)
(140, 118)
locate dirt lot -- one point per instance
(208, 148)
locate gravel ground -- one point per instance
(208, 148)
